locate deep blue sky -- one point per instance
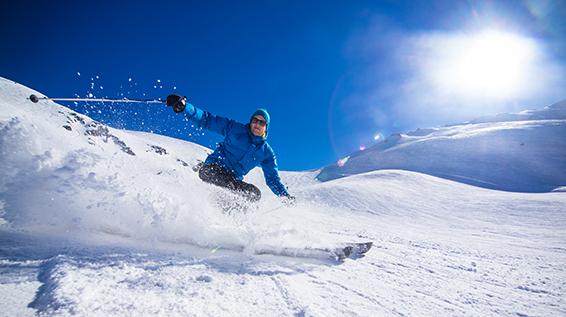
(332, 73)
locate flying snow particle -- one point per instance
(97, 77)
(159, 80)
(362, 147)
(129, 79)
(78, 73)
(90, 95)
(174, 87)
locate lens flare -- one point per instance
(378, 137)
(341, 162)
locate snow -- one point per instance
(523, 152)
(100, 221)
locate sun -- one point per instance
(489, 64)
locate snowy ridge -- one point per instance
(552, 112)
(523, 152)
(99, 221)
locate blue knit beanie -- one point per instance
(262, 112)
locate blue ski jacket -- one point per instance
(241, 150)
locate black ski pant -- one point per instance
(217, 175)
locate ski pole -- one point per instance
(36, 99)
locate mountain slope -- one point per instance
(524, 152)
(99, 221)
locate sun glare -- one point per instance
(488, 64)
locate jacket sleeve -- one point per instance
(272, 179)
(207, 120)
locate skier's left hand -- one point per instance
(289, 201)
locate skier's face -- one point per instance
(258, 125)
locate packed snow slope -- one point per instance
(523, 152)
(103, 222)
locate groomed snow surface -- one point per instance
(105, 222)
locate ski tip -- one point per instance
(354, 250)
(360, 249)
(360, 245)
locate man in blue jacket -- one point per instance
(244, 147)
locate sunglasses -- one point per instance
(258, 121)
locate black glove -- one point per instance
(177, 102)
(289, 200)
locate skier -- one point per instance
(244, 147)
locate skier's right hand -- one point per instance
(177, 102)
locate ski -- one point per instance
(339, 253)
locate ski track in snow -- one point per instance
(91, 229)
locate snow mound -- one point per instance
(523, 152)
(63, 173)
